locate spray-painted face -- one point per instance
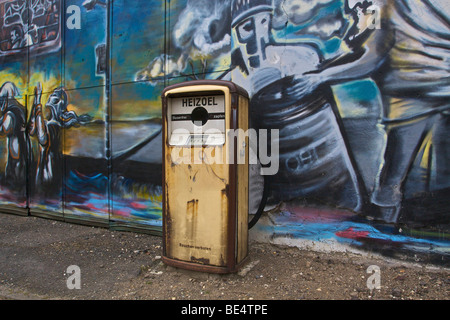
(58, 98)
(14, 36)
(58, 103)
(254, 33)
(7, 91)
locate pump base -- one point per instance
(203, 267)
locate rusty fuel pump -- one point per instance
(206, 176)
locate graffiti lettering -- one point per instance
(303, 160)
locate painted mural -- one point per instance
(359, 91)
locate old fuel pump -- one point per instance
(205, 175)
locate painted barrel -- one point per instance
(314, 161)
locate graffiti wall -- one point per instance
(359, 91)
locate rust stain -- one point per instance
(169, 160)
(192, 207)
(225, 192)
(224, 213)
(199, 260)
(168, 222)
(192, 214)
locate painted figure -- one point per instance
(201, 33)
(29, 24)
(407, 56)
(16, 37)
(315, 161)
(49, 134)
(12, 124)
(259, 60)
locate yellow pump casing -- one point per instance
(205, 175)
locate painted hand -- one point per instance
(38, 94)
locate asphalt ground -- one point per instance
(40, 260)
